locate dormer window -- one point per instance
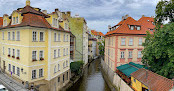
(66, 26)
(13, 20)
(5, 22)
(151, 30)
(138, 28)
(17, 19)
(131, 27)
(117, 26)
(55, 23)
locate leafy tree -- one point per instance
(101, 48)
(164, 11)
(76, 67)
(158, 51)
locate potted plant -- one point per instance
(13, 56)
(8, 55)
(41, 59)
(17, 58)
(34, 60)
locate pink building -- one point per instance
(123, 42)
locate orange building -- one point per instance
(123, 42)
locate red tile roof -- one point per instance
(152, 80)
(124, 28)
(97, 33)
(34, 18)
(147, 22)
(1, 21)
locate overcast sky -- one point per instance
(98, 13)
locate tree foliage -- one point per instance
(101, 47)
(158, 51)
(76, 67)
(164, 11)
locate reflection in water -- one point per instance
(92, 79)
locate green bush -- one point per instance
(76, 67)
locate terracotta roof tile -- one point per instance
(124, 28)
(147, 22)
(97, 33)
(152, 80)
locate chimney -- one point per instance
(28, 2)
(109, 28)
(143, 15)
(152, 17)
(44, 11)
(122, 18)
(77, 15)
(126, 16)
(56, 9)
(68, 13)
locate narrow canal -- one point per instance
(92, 79)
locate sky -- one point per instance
(98, 13)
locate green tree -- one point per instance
(164, 11)
(158, 51)
(101, 48)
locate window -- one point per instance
(9, 51)
(123, 41)
(54, 69)
(122, 54)
(41, 55)
(64, 52)
(34, 55)
(8, 35)
(131, 41)
(135, 80)
(3, 50)
(33, 74)
(41, 36)
(67, 51)
(9, 67)
(67, 38)
(63, 64)
(13, 20)
(18, 53)
(34, 36)
(2, 35)
(18, 35)
(13, 35)
(66, 26)
(131, 27)
(140, 41)
(139, 54)
(55, 36)
(56, 21)
(130, 54)
(58, 79)
(58, 67)
(58, 52)
(151, 30)
(18, 71)
(138, 28)
(66, 63)
(40, 72)
(13, 69)
(63, 78)
(64, 37)
(13, 52)
(54, 53)
(67, 75)
(17, 19)
(59, 37)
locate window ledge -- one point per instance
(34, 41)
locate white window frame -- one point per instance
(138, 28)
(123, 41)
(58, 53)
(9, 51)
(140, 41)
(63, 51)
(34, 55)
(55, 54)
(9, 36)
(9, 67)
(58, 67)
(66, 63)
(41, 72)
(17, 19)
(55, 37)
(18, 71)
(14, 20)
(139, 54)
(34, 36)
(18, 35)
(41, 55)
(132, 27)
(59, 35)
(131, 41)
(67, 38)
(18, 53)
(122, 54)
(55, 69)
(13, 52)
(13, 69)
(2, 35)
(13, 35)
(3, 48)
(34, 75)
(130, 54)
(63, 64)
(41, 39)
(66, 51)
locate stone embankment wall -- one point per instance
(115, 80)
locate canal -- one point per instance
(92, 79)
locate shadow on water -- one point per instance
(92, 79)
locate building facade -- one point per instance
(78, 28)
(35, 48)
(123, 42)
(92, 48)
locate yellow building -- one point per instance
(34, 48)
(145, 80)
